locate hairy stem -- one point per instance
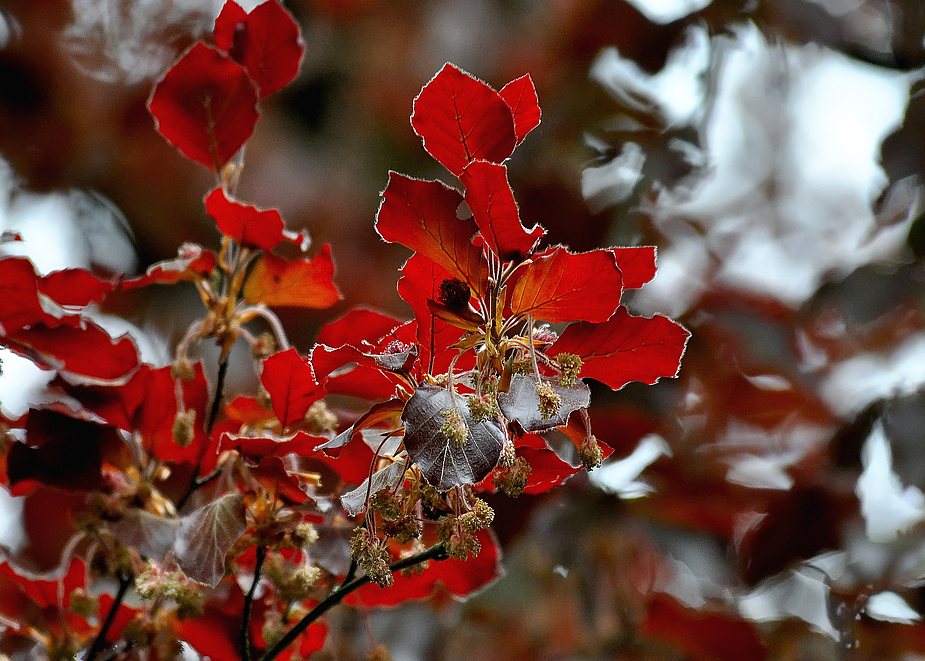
(245, 639)
(436, 552)
(124, 582)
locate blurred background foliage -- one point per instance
(772, 149)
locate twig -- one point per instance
(248, 604)
(100, 640)
(436, 552)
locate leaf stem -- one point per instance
(124, 582)
(436, 552)
(245, 638)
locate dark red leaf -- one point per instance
(304, 283)
(289, 380)
(636, 264)
(461, 119)
(358, 325)
(62, 452)
(205, 105)
(74, 287)
(421, 215)
(492, 203)
(192, 263)
(249, 226)
(266, 42)
(702, 635)
(625, 348)
(279, 483)
(254, 448)
(520, 96)
(563, 286)
(420, 283)
(85, 353)
(444, 460)
(460, 578)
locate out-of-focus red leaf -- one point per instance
(246, 224)
(62, 452)
(563, 286)
(272, 474)
(520, 96)
(290, 382)
(491, 200)
(205, 105)
(192, 263)
(19, 295)
(304, 283)
(421, 215)
(420, 282)
(74, 287)
(625, 348)
(86, 353)
(636, 264)
(702, 636)
(265, 41)
(254, 448)
(460, 578)
(460, 119)
(248, 411)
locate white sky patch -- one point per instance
(802, 594)
(620, 477)
(611, 183)
(887, 507)
(676, 92)
(854, 383)
(791, 140)
(890, 607)
(668, 11)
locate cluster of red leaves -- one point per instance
(117, 428)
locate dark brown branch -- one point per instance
(100, 640)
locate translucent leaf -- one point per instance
(207, 534)
(522, 402)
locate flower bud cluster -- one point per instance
(569, 368)
(372, 557)
(550, 401)
(454, 427)
(174, 585)
(513, 480)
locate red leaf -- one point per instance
(547, 470)
(289, 380)
(357, 326)
(563, 286)
(246, 224)
(460, 578)
(520, 96)
(192, 263)
(156, 391)
(254, 448)
(206, 106)
(304, 283)
(86, 351)
(420, 281)
(74, 287)
(636, 264)
(702, 636)
(625, 348)
(266, 42)
(492, 203)
(461, 119)
(421, 215)
(19, 295)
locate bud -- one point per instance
(454, 294)
(513, 480)
(479, 518)
(550, 401)
(265, 345)
(590, 453)
(570, 367)
(319, 418)
(184, 427)
(372, 557)
(454, 427)
(182, 370)
(483, 406)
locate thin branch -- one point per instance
(436, 552)
(100, 640)
(248, 604)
